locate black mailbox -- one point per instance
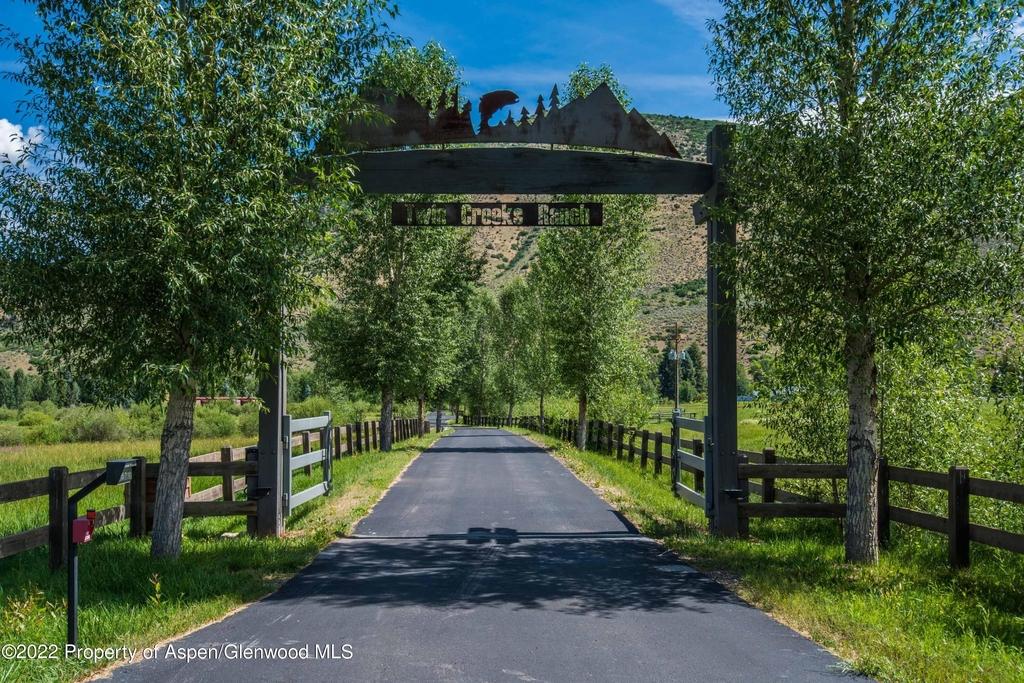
(119, 472)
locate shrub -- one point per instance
(87, 423)
(143, 421)
(11, 435)
(34, 419)
(249, 423)
(212, 422)
(30, 407)
(8, 415)
(314, 406)
(50, 434)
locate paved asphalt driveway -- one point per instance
(489, 561)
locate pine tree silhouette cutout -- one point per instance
(554, 99)
(540, 106)
(510, 121)
(526, 117)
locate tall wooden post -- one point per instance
(722, 446)
(959, 518)
(137, 506)
(227, 482)
(273, 392)
(58, 488)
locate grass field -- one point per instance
(907, 619)
(128, 599)
(28, 462)
(751, 433)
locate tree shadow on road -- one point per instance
(582, 574)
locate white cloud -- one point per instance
(693, 12)
(13, 141)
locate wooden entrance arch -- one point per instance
(391, 163)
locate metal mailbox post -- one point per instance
(118, 472)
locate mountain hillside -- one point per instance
(676, 291)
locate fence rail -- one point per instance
(216, 501)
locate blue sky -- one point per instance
(655, 46)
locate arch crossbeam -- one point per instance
(509, 170)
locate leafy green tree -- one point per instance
(429, 74)
(6, 389)
(590, 279)
(426, 73)
(698, 374)
(514, 341)
(397, 291)
(474, 382)
(542, 362)
(742, 381)
(155, 238)
(877, 173)
(667, 373)
(20, 388)
(585, 79)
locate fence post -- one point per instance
(643, 449)
(137, 502)
(58, 517)
(959, 518)
(659, 439)
(698, 477)
(621, 432)
(883, 503)
(632, 445)
(306, 448)
(609, 428)
(252, 454)
(359, 437)
(348, 440)
(744, 486)
(227, 482)
(336, 442)
(373, 435)
(590, 432)
(768, 483)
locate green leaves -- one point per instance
(156, 237)
(876, 172)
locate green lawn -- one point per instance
(751, 433)
(907, 619)
(120, 602)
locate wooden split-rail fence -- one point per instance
(236, 467)
(758, 474)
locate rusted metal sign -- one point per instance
(497, 214)
(597, 120)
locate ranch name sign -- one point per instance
(497, 214)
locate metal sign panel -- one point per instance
(597, 120)
(497, 214)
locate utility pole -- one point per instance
(676, 339)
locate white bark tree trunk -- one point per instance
(581, 424)
(862, 450)
(175, 447)
(387, 404)
(542, 411)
